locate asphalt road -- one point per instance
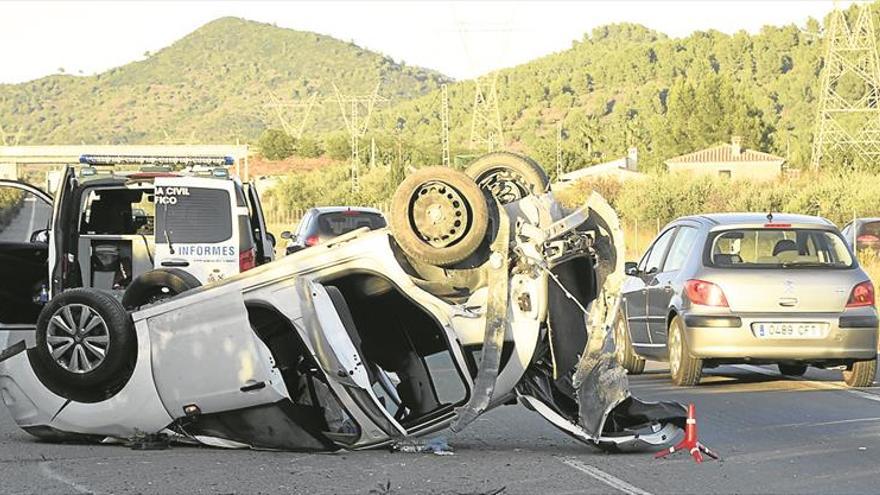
(33, 215)
(776, 435)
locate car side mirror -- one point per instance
(286, 235)
(40, 236)
(631, 268)
(271, 237)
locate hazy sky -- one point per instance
(460, 39)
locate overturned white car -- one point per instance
(483, 290)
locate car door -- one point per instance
(635, 302)
(265, 242)
(64, 270)
(662, 287)
(25, 217)
(649, 274)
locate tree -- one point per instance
(276, 144)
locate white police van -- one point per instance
(166, 226)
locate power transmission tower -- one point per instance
(558, 149)
(444, 136)
(281, 109)
(178, 141)
(848, 117)
(7, 139)
(486, 120)
(357, 121)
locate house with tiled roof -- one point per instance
(729, 160)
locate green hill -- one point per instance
(212, 85)
(625, 85)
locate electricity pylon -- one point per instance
(848, 116)
(558, 149)
(357, 121)
(486, 131)
(444, 133)
(178, 141)
(294, 130)
(7, 139)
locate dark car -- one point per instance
(863, 233)
(327, 222)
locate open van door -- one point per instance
(265, 242)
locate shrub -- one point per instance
(275, 144)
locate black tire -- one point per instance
(508, 176)
(861, 374)
(460, 216)
(792, 369)
(684, 369)
(113, 333)
(627, 358)
(157, 285)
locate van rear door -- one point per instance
(265, 244)
(195, 227)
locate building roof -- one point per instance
(723, 153)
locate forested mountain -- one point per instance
(620, 85)
(212, 85)
(625, 85)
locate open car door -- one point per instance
(25, 216)
(64, 270)
(265, 242)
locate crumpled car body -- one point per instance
(351, 344)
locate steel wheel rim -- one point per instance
(674, 350)
(439, 214)
(505, 185)
(77, 338)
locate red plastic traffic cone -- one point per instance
(690, 443)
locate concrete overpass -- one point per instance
(15, 159)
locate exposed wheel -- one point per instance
(684, 369)
(861, 373)
(627, 358)
(792, 369)
(157, 285)
(509, 177)
(439, 216)
(85, 345)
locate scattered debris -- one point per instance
(150, 441)
(437, 446)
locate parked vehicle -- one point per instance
(142, 235)
(863, 233)
(464, 304)
(747, 287)
(328, 222)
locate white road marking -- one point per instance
(824, 423)
(598, 474)
(51, 474)
(825, 385)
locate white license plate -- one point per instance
(790, 330)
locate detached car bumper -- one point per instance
(850, 335)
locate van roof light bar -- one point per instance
(110, 160)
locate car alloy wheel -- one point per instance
(78, 338)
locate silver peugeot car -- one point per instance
(749, 288)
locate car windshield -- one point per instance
(343, 222)
(777, 248)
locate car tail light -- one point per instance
(705, 293)
(777, 225)
(247, 259)
(861, 295)
(312, 240)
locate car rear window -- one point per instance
(870, 229)
(777, 248)
(201, 216)
(335, 224)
